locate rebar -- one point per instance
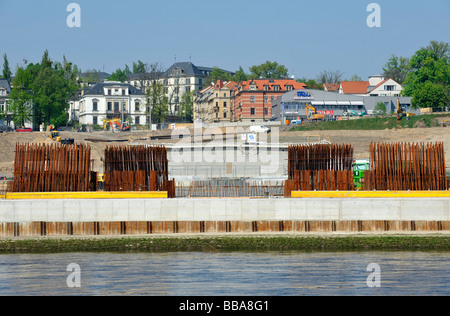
(51, 168)
(406, 166)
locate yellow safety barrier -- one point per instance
(370, 194)
(87, 195)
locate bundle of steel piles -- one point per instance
(52, 168)
(406, 166)
(137, 168)
(319, 167)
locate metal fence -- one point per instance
(229, 188)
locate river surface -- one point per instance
(226, 274)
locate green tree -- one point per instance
(380, 108)
(311, 83)
(268, 70)
(41, 91)
(7, 74)
(157, 102)
(240, 75)
(397, 68)
(21, 97)
(139, 67)
(120, 75)
(428, 81)
(186, 107)
(217, 74)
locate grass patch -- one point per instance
(372, 123)
(225, 244)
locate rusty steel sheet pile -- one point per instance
(319, 167)
(406, 166)
(137, 168)
(52, 168)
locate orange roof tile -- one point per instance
(354, 87)
(261, 83)
(331, 86)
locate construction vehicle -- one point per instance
(354, 113)
(359, 168)
(116, 125)
(401, 114)
(54, 135)
(312, 115)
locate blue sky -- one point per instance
(305, 36)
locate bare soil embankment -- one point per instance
(360, 139)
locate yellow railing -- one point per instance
(87, 195)
(370, 194)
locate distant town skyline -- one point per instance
(307, 38)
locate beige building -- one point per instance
(213, 103)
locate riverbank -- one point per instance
(232, 243)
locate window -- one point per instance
(94, 106)
(188, 81)
(116, 106)
(2, 106)
(95, 120)
(266, 99)
(389, 88)
(252, 87)
(188, 89)
(200, 81)
(266, 111)
(276, 88)
(266, 87)
(272, 98)
(137, 120)
(288, 88)
(123, 91)
(225, 104)
(252, 111)
(109, 106)
(224, 115)
(109, 91)
(252, 99)
(2, 92)
(225, 95)
(137, 106)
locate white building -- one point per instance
(381, 87)
(109, 100)
(180, 78)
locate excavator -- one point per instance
(116, 125)
(400, 113)
(311, 114)
(54, 135)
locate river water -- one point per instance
(226, 274)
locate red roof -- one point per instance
(261, 83)
(331, 86)
(354, 87)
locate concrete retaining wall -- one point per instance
(144, 216)
(437, 209)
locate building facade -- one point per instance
(213, 104)
(5, 90)
(252, 100)
(180, 78)
(109, 100)
(292, 105)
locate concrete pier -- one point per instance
(149, 216)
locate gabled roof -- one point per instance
(4, 83)
(354, 87)
(189, 69)
(98, 88)
(331, 86)
(381, 83)
(261, 83)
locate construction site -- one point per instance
(141, 182)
